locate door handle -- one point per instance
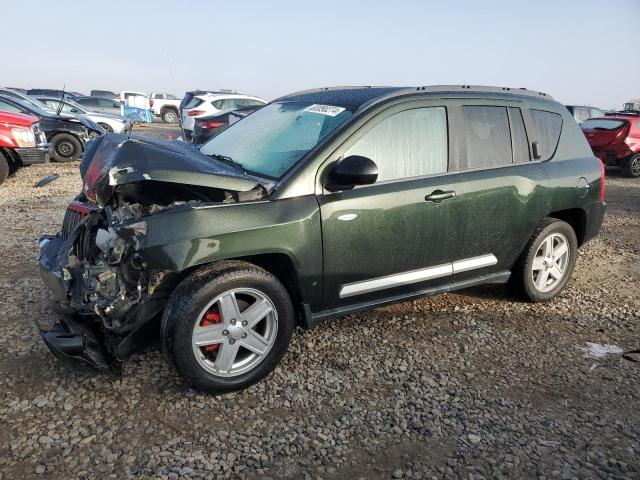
(439, 195)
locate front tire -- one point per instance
(546, 264)
(66, 148)
(4, 168)
(227, 326)
(631, 166)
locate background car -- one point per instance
(615, 139)
(135, 99)
(21, 142)
(208, 127)
(584, 112)
(201, 104)
(67, 134)
(111, 123)
(100, 104)
(166, 106)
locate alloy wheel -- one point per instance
(235, 332)
(550, 262)
(65, 149)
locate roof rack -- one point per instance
(482, 88)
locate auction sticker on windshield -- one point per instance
(324, 109)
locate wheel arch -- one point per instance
(576, 218)
(164, 108)
(280, 265)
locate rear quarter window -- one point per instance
(547, 127)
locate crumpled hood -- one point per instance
(116, 159)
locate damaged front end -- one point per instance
(110, 298)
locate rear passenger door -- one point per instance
(498, 198)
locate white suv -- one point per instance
(202, 104)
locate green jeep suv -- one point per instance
(321, 203)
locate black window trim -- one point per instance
(529, 127)
(526, 137)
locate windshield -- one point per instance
(601, 124)
(274, 138)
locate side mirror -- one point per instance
(351, 171)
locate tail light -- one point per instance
(151, 102)
(211, 124)
(602, 182)
(195, 113)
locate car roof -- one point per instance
(360, 96)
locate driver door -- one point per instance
(389, 238)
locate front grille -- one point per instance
(76, 211)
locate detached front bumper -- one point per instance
(31, 155)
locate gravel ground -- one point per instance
(470, 385)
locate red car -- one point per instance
(21, 142)
(615, 139)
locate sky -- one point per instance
(578, 51)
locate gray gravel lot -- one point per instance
(470, 385)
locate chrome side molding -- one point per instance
(416, 276)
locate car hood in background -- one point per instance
(115, 159)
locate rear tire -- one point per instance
(631, 166)
(543, 270)
(66, 148)
(170, 116)
(227, 326)
(4, 168)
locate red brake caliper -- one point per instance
(210, 318)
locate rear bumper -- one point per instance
(595, 215)
(29, 156)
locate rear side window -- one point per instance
(194, 102)
(221, 104)
(407, 144)
(546, 131)
(487, 136)
(519, 142)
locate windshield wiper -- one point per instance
(229, 160)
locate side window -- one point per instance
(105, 103)
(221, 104)
(519, 142)
(582, 114)
(487, 136)
(6, 107)
(407, 144)
(546, 131)
(596, 112)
